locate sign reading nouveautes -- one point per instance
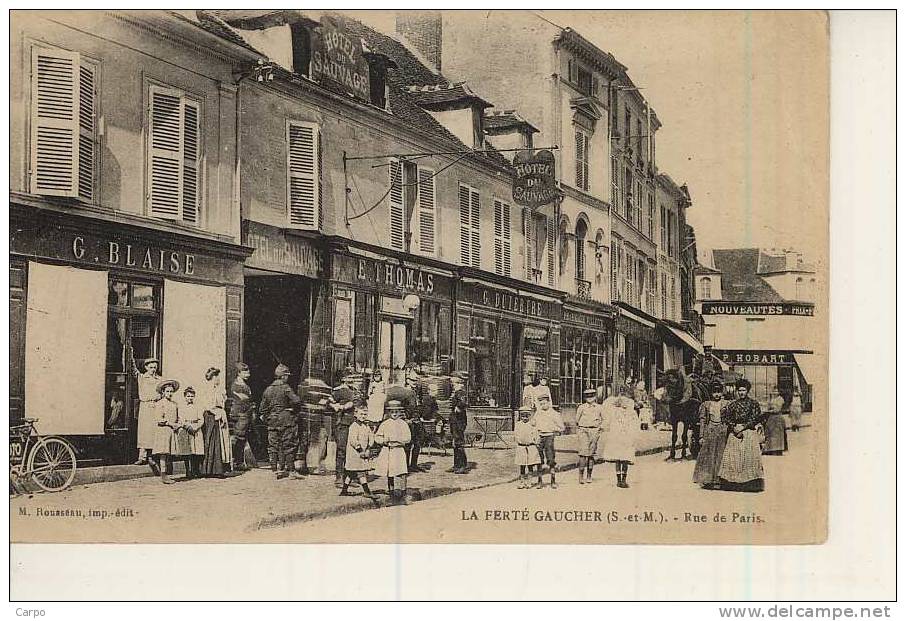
(753, 309)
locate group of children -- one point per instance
(537, 427)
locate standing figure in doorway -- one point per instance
(147, 416)
(241, 413)
(277, 409)
(458, 423)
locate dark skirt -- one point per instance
(707, 466)
(212, 465)
(774, 435)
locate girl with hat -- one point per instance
(147, 416)
(621, 430)
(393, 435)
(527, 457)
(167, 426)
(714, 439)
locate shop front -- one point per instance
(586, 351)
(387, 313)
(505, 338)
(91, 300)
(636, 345)
(679, 348)
(770, 370)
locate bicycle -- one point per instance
(49, 461)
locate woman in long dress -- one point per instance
(741, 468)
(147, 412)
(216, 428)
(714, 439)
(775, 442)
(796, 410)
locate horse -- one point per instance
(684, 396)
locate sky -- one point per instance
(743, 99)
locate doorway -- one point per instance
(392, 349)
(276, 326)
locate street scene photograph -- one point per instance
(436, 276)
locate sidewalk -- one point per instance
(255, 500)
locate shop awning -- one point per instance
(624, 312)
(686, 338)
(811, 367)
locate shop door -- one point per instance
(133, 336)
(392, 350)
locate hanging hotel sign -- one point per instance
(277, 251)
(534, 184)
(754, 309)
(754, 357)
(337, 57)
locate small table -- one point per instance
(492, 426)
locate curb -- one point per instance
(367, 505)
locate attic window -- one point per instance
(377, 78)
(301, 39)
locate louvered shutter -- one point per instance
(320, 183)
(465, 229)
(528, 231)
(502, 239)
(55, 122)
(303, 189)
(580, 157)
(476, 230)
(550, 252)
(427, 211)
(166, 136)
(87, 116)
(190, 162)
(397, 207)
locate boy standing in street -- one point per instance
(549, 424)
(589, 420)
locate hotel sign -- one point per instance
(753, 309)
(279, 252)
(534, 184)
(337, 57)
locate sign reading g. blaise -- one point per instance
(534, 184)
(337, 57)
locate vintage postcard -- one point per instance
(506, 276)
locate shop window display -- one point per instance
(584, 363)
(490, 368)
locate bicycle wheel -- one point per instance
(52, 464)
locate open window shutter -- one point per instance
(320, 182)
(190, 166)
(498, 237)
(550, 251)
(87, 115)
(55, 122)
(397, 207)
(165, 159)
(505, 238)
(528, 231)
(302, 182)
(465, 228)
(586, 182)
(427, 211)
(476, 230)
(580, 157)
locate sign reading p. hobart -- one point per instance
(534, 184)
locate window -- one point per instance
(304, 181)
(397, 214)
(431, 338)
(629, 264)
(637, 206)
(535, 232)
(799, 289)
(586, 81)
(614, 182)
(627, 125)
(673, 297)
(663, 295)
(639, 137)
(614, 272)
(63, 142)
(706, 288)
(133, 335)
(469, 226)
(427, 211)
(583, 363)
(174, 171)
(581, 232)
(502, 242)
(490, 362)
(652, 291)
(301, 41)
(651, 216)
(627, 207)
(377, 83)
(582, 157)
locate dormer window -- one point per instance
(301, 38)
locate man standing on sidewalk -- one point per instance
(458, 421)
(277, 404)
(343, 403)
(241, 412)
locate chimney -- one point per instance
(423, 30)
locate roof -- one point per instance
(501, 121)
(216, 26)
(405, 69)
(740, 280)
(442, 96)
(591, 53)
(704, 269)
